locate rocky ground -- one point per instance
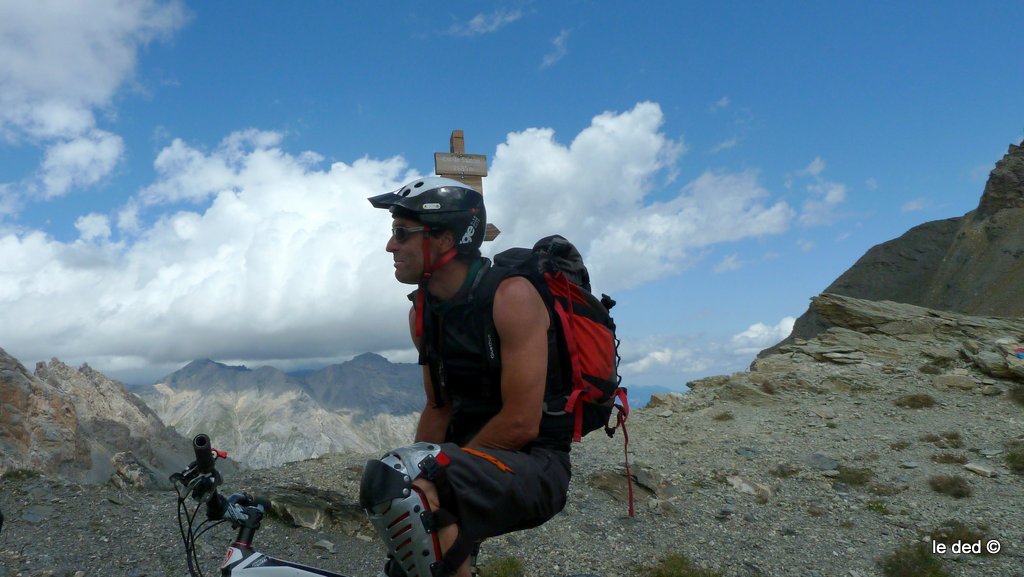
(819, 462)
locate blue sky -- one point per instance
(188, 179)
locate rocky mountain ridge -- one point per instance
(973, 264)
(81, 425)
(265, 417)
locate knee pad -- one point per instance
(400, 512)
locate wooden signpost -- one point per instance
(469, 169)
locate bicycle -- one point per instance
(199, 482)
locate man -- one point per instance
(489, 458)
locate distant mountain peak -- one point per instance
(368, 358)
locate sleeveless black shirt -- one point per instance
(463, 351)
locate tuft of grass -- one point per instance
(919, 401)
(1016, 394)
(884, 490)
(784, 470)
(21, 475)
(1015, 456)
(878, 506)
(949, 458)
(503, 567)
(912, 560)
(854, 476)
(723, 416)
(676, 565)
(953, 485)
(816, 511)
(953, 531)
(947, 440)
(832, 425)
(768, 388)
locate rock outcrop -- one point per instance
(972, 264)
(73, 422)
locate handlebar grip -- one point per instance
(204, 453)
(257, 500)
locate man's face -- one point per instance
(408, 255)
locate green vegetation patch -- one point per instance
(1015, 456)
(21, 475)
(855, 476)
(947, 440)
(676, 565)
(950, 458)
(912, 560)
(919, 401)
(878, 506)
(503, 567)
(953, 485)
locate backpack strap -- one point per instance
(428, 354)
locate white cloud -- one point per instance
(93, 226)
(595, 192)
(285, 261)
(721, 104)
(724, 145)
(674, 360)
(916, 205)
(760, 336)
(79, 163)
(729, 263)
(825, 196)
(815, 168)
(59, 63)
(559, 49)
(486, 23)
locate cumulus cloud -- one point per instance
(595, 191)
(674, 360)
(760, 336)
(60, 62)
(79, 162)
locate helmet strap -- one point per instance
(428, 272)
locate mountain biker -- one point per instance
(489, 458)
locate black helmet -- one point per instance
(442, 204)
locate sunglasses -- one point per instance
(402, 233)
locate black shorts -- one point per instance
(494, 492)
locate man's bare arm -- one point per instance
(522, 322)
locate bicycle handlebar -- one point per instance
(204, 453)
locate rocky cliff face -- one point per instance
(79, 424)
(972, 264)
(265, 417)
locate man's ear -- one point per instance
(445, 241)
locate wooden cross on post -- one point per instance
(469, 169)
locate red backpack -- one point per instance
(587, 343)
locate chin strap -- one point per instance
(428, 271)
